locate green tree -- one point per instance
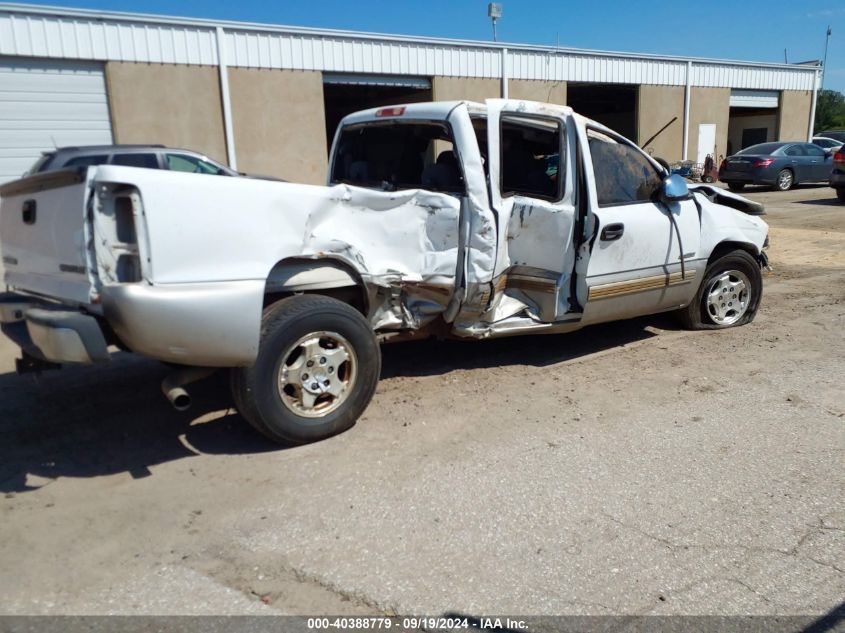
(830, 111)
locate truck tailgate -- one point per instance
(43, 235)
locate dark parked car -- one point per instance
(781, 165)
(149, 156)
(827, 143)
(836, 135)
(837, 176)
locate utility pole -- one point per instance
(824, 63)
(494, 12)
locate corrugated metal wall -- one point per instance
(586, 68)
(80, 38)
(88, 35)
(333, 54)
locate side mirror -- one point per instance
(674, 189)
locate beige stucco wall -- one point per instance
(472, 89)
(657, 106)
(794, 120)
(709, 105)
(279, 123)
(169, 104)
(543, 91)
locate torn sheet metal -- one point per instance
(729, 199)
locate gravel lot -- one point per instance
(633, 468)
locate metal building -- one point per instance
(266, 99)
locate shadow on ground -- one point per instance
(826, 202)
(771, 189)
(93, 421)
(431, 358)
(102, 420)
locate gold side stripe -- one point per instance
(539, 284)
(604, 291)
(601, 291)
(524, 282)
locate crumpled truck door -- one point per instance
(533, 197)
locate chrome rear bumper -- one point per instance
(52, 332)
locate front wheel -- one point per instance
(736, 186)
(785, 180)
(729, 296)
(317, 368)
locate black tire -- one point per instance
(785, 181)
(696, 316)
(256, 391)
(840, 193)
(736, 186)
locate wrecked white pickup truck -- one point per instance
(450, 219)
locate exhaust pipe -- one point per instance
(173, 386)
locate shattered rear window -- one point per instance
(394, 155)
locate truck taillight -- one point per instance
(839, 157)
(390, 112)
(118, 257)
(763, 162)
(124, 219)
(128, 268)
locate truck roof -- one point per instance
(424, 110)
(432, 110)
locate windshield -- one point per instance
(40, 164)
(762, 148)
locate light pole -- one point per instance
(824, 63)
(494, 12)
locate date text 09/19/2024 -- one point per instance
(414, 623)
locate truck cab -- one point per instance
(563, 222)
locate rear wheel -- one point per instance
(840, 193)
(736, 186)
(317, 368)
(785, 180)
(729, 296)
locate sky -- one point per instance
(752, 30)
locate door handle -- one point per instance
(28, 212)
(612, 232)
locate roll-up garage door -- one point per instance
(396, 81)
(49, 104)
(754, 98)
